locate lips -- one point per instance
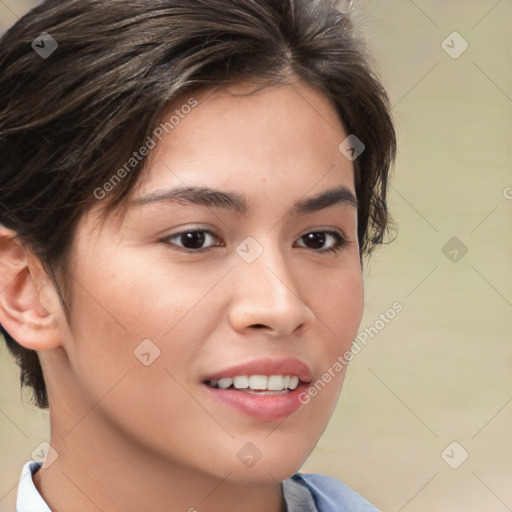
(252, 388)
(267, 367)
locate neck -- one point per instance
(98, 469)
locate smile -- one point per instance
(259, 384)
(264, 389)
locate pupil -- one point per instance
(193, 239)
(318, 239)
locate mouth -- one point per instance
(258, 384)
(264, 389)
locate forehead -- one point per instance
(247, 138)
(240, 131)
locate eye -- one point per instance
(317, 239)
(192, 240)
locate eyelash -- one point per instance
(340, 240)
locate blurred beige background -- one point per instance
(434, 385)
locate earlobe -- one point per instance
(28, 311)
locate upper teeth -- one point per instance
(258, 382)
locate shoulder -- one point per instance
(332, 495)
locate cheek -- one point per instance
(140, 294)
(338, 303)
(338, 306)
(122, 306)
(128, 302)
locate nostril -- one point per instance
(258, 325)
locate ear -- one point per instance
(30, 310)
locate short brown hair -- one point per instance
(68, 120)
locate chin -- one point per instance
(273, 462)
(263, 474)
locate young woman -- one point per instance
(188, 191)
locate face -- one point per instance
(189, 291)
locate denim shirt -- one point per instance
(302, 493)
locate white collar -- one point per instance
(29, 499)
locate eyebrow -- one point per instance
(238, 203)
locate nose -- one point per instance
(268, 296)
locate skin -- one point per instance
(133, 437)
